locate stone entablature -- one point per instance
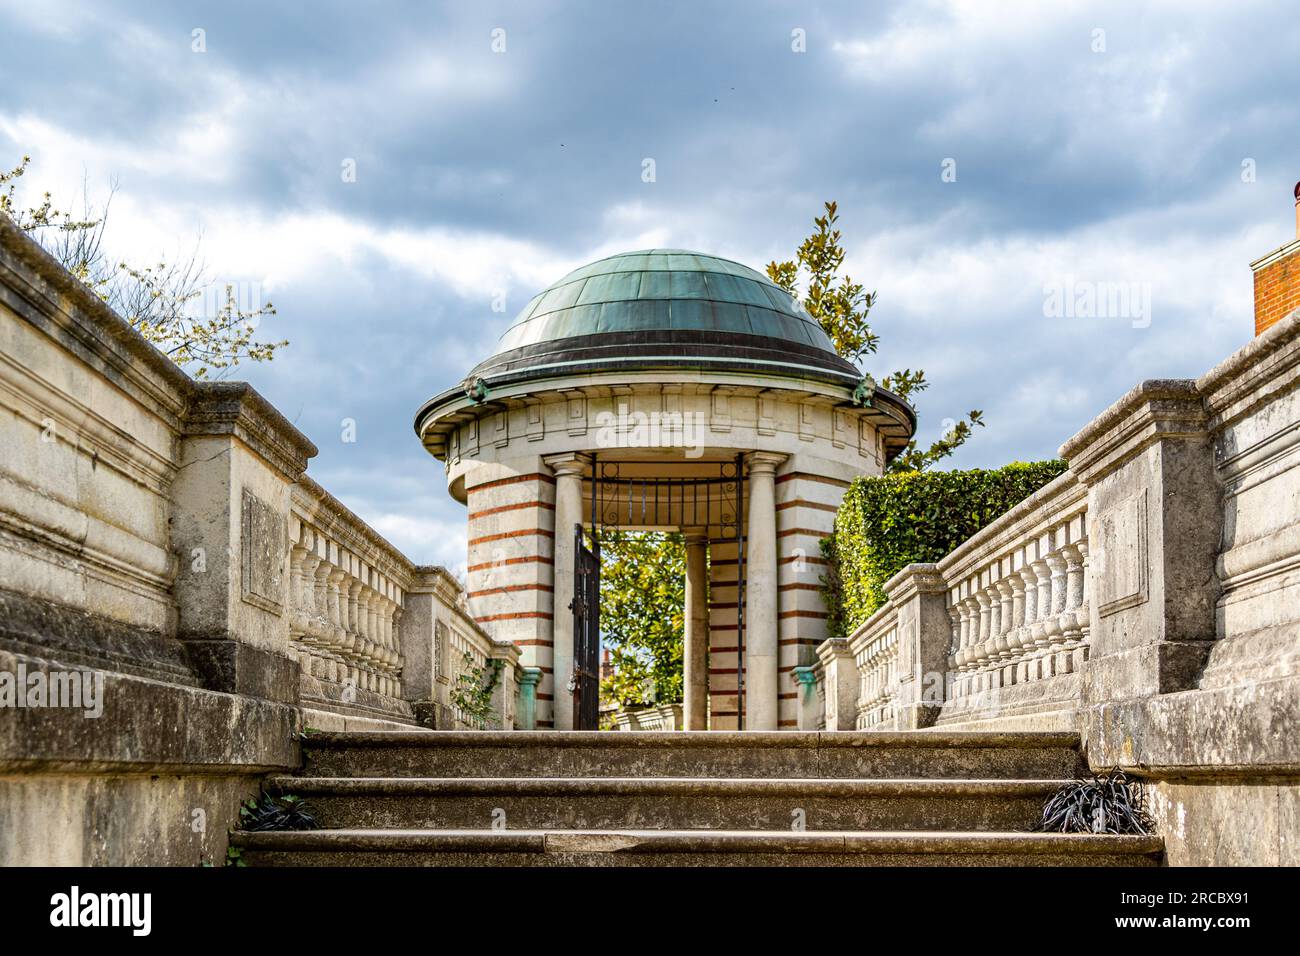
(669, 410)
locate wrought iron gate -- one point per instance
(715, 502)
(586, 631)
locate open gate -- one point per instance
(715, 502)
(586, 632)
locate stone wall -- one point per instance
(178, 600)
(1149, 598)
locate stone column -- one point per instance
(761, 644)
(696, 650)
(842, 681)
(526, 715)
(568, 513)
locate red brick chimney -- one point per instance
(1277, 279)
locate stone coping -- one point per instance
(1118, 414)
(880, 620)
(64, 299)
(236, 408)
(1064, 493)
(1254, 374)
(344, 523)
(107, 342)
(745, 739)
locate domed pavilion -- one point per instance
(671, 391)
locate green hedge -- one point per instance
(887, 523)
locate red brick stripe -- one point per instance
(819, 615)
(522, 533)
(532, 558)
(802, 503)
(544, 615)
(510, 481)
(791, 476)
(507, 589)
(519, 507)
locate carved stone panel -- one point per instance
(441, 648)
(1123, 577)
(263, 536)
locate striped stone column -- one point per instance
(510, 564)
(724, 639)
(805, 513)
(568, 513)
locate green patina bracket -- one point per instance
(476, 390)
(864, 394)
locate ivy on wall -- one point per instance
(889, 522)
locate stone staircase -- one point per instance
(684, 799)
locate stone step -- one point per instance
(929, 755)
(669, 803)
(689, 848)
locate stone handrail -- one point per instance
(347, 590)
(1018, 598)
(875, 655)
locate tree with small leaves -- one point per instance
(841, 307)
(163, 302)
(642, 615)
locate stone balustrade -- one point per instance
(875, 655)
(999, 628)
(1018, 605)
(653, 717)
(347, 590)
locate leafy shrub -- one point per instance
(886, 523)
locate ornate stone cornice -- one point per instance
(1156, 410)
(238, 410)
(1255, 374)
(334, 519)
(915, 579)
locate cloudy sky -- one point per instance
(987, 157)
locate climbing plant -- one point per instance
(472, 692)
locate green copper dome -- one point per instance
(662, 312)
(663, 289)
(663, 309)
